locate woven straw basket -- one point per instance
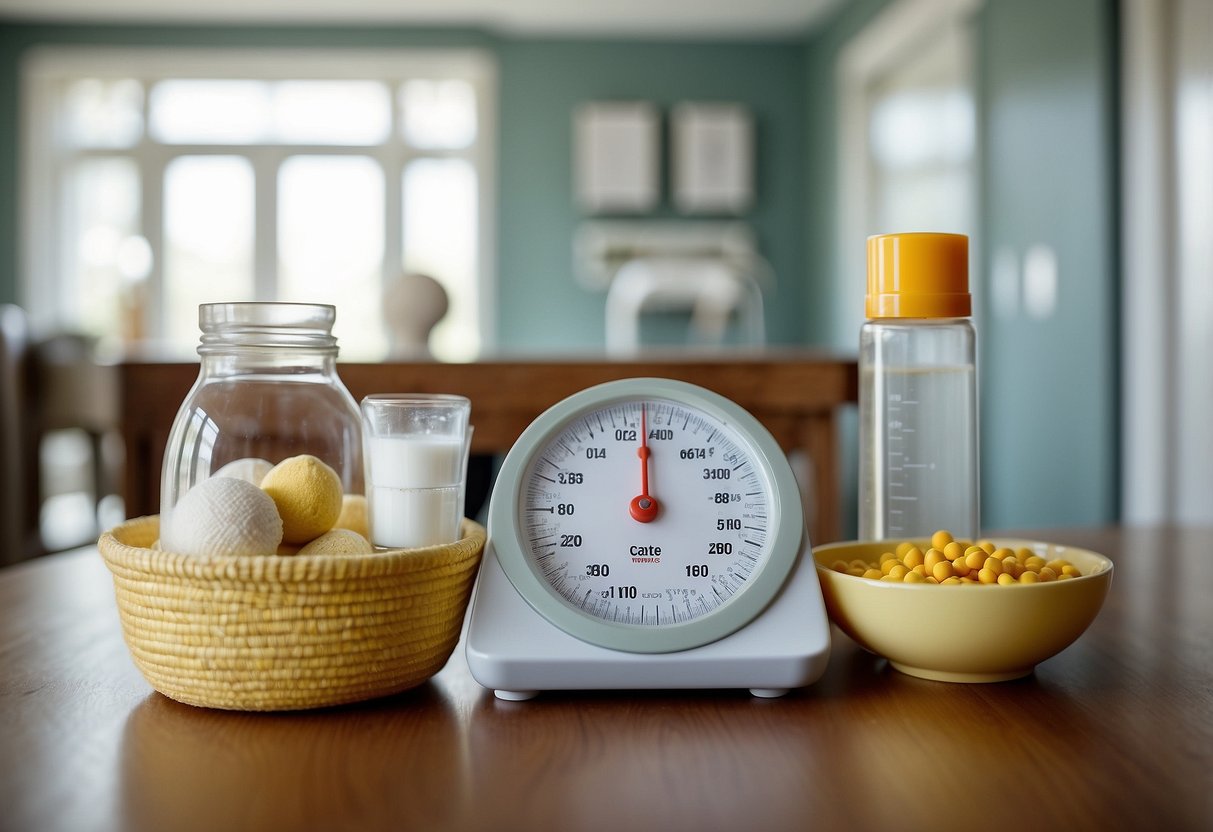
(286, 633)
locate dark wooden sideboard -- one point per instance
(796, 395)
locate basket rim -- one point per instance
(122, 556)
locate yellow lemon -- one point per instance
(353, 515)
(338, 542)
(308, 495)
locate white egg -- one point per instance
(222, 516)
(250, 469)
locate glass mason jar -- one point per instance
(267, 389)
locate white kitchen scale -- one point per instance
(646, 534)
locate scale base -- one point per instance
(518, 653)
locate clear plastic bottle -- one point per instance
(267, 388)
(918, 430)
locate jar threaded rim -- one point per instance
(259, 325)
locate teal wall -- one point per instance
(541, 82)
(1048, 125)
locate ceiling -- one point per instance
(596, 18)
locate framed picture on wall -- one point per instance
(712, 158)
(616, 157)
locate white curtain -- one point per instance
(1167, 174)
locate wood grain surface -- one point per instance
(1114, 733)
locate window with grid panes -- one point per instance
(157, 180)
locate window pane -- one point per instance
(210, 112)
(330, 244)
(104, 113)
(438, 114)
(208, 238)
(440, 239)
(331, 112)
(915, 128)
(103, 223)
(259, 112)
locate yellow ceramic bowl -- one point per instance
(967, 633)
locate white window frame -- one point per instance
(44, 70)
(874, 52)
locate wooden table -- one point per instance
(796, 395)
(1116, 732)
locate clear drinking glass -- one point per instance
(416, 451)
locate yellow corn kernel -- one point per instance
(1002, 553)
(913, 578)
(953, 551)
(904, 547)
(987, 545)
(987, 576)
(914, 557)
(1023, 553)
(890, 579)
(920, 569)
(1006, 578)
(873, 574)
(1064, 577)
(1029, 577)
(840, 566)
(941, 539)
(1034, 563)
(930, 579)
(855, 570)
(932, 557)
(960, 567)
(899, 571)
(942, 571)
(953, 580)
(1071, 571)
(994, 565)
(885, 556)
(1056, 565)
(1047, 573)
(861, 564)
(886, 566)
(976, 558)
(969, 580)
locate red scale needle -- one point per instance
(644, 508)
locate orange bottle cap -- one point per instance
(918, 276)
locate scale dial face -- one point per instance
(646, 515)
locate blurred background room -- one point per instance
(468, 179)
